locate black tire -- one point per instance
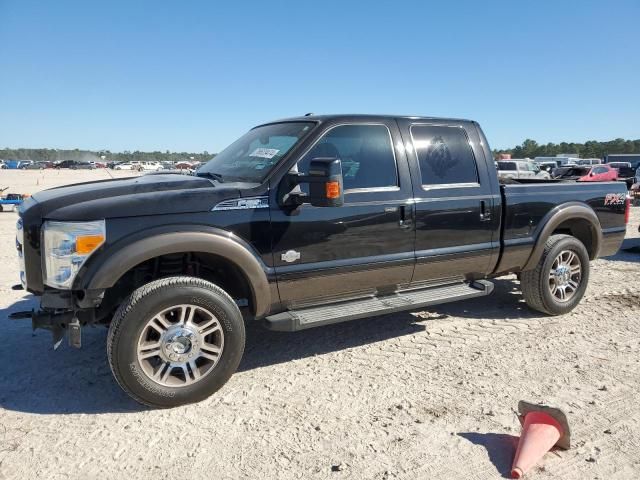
(131, 318)
(535, 283)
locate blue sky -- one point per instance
(192, 76)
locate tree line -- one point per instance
(54, 155)
(528, 149)
(591, 149)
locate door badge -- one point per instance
(290, 256)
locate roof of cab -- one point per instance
(351, 117)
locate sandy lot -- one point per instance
(415, 395)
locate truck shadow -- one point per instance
(36, 379)
(629, 251)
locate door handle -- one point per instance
(485, 213)
(405, 217)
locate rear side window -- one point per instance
(444, 155)
(366, 152)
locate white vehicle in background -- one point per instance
(521, 169)
(151, 166)
(548, 167)
(560, 161)
(128, 166)
(589, 161)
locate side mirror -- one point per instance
(325, 184)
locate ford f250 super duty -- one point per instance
(301, 222)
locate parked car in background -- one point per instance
(559, 161)
(128, 166)
(23, 164)
(548, 167)
(38, 166)
(521, 169)
(589, 161)
(184, 165)
(99, 164)
(3, 166)
(75, 165)
(626, 172)
(632, 158)
(13, 164)
(597, 173)
(151, 166)
(10, 201)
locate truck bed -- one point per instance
(527, 206)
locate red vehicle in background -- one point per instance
(595, 173)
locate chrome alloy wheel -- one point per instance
(180, 345)
(565, 275)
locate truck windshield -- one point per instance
(252, 156)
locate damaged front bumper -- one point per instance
(61, 314)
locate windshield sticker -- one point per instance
(264, 152)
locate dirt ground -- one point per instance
(421, 395)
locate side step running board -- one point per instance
(293, 320)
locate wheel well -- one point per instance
(207, 266)
(583, 230)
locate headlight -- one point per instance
(67, 245)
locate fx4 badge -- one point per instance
(614, 199)
(290, 256)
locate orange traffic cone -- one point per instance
(542, 429)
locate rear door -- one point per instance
(367, 245)
(457, 200)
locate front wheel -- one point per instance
(175, 341)
(560, 278)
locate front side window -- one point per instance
(252, 156)
(366, 153)
(444, 155)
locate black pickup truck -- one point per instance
(301, 222)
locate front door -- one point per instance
(367, 245)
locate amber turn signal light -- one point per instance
(88, 243)
(333, 189)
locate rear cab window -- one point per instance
(445, 156)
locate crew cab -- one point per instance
(301, 222)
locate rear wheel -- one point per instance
(175, 341)
(559, 281)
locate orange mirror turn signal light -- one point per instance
(333, 189)
(88, 243)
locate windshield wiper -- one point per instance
(215, 176)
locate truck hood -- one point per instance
(130, 197)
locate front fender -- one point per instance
(105, 269)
